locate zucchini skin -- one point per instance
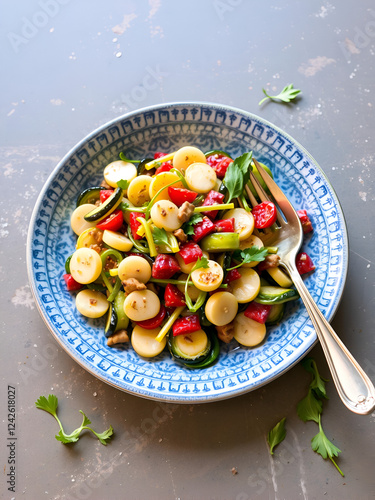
(276, 298)
(89, 194)
(212, 355)
(105, 208)
(183, 360)
(217, 152)
(276, 314)
(111, 323)
(141, 165)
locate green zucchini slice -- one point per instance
(276, 314)
(110, 325)
(176, 346)
(105, 208)
(220, 242)
(90, 195)
(276, 295)
(118, 305)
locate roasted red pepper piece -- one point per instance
(213, 198)
(304, 263)
(112, 223)
(165, 266)
(178, 195)
(305, 221)
(202, 229)
(257, 312)
(187, 324)
(173, 297)
(190, 252)
(158, 155)
(264, 214)
(154, 322)
(219, 163)
(232, 275)
(225, 225)
(164, 167)
(71, 283)
(134, 224)
(105, 194)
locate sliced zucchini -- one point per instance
(220, 242)
(281, 278)
(276, 295)
(67, 264)
(211, 357)
(190, 348)
(118, 305)
(276, 314)
(106, 208)
(111, 323)
(90, 195)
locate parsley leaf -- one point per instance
(201, 262)
(123, 158)
(252, 254)
(318, 382)
(188, 227)
(276, 435)
(50, 405)
(309, 408)
(160, 236)
(286, 95)
(237, 175)
(123, 184)
(322, 445)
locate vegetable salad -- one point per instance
(171, 253)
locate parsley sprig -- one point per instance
(286, 95)
(237, 175)
(276, 435)
(188, 227)
(50, 406)
(252, 254)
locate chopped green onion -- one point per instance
(182, 178)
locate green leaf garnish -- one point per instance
(252, 254)
(286, 95)
(160, 236)
(309, 408)
(276, 435)
(322, 445)
(188, 227)
(123, 158)
(123, 184)
(318, 382)
(50, 405)
(237, 175)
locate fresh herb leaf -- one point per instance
(237, 175)
(123, 158)
(286, 95)
(123, 184)
(50, 405)
(188, 227)
(201, 262)
(322, 445)
(276, 435)
(318, 382)
(309, 408)
(252, 254)
(160, 236)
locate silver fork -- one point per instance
(353, 385)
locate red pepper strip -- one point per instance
(257, 312)
(173, 297)
(213, 198)
(202, 229)
(264, 214)
(190, 252)
(164, 167)
(71, 283)
(305, 221)
(154, 322)
(188, 324)
(178, 195)
(224, 226)
(104, 194)
(304, 263)
(158, 154)
(165, 266)
(134, 224)
(214, 159)
(232, 275)
(221, 167)
(113, 222)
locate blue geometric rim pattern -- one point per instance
(166, 128)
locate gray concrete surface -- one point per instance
(68, 67)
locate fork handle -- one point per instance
(355, 389)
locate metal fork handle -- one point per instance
(355, 389)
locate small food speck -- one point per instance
(234, 471)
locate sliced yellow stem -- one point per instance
(153, 163)
(168, 325)
(149, 238)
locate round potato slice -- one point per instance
(243, 222)
(186, 268)
(247, 287)
(139, 190)
(161, 180)
(200, 177)
(85, 265)
(208, 279)
(164, 215)
(247, 331)
(144, 343)
(117, 241)
(221, 308)
(141, 305)
(187, 155)
(119, 170)
(248, 243)
(89, 237)
(77, 221)
(91, 304)
(134, 267)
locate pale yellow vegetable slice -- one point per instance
(247, 287)
(247, 331)
(117, 240)
(164, 215)
(221, 308)
(280, 277)
(85, 265)
(144, 342)
(208, 279)
(119, 170)
(186, 268)
(139, 190)
(134, 267)
(141, 305)
(187, 155)
(193, 291)
(89, 237)
(161, 180)
(77, 221)
(243, 222)
(200, 177)
(248, 243)
(192, 344)
(91, 304)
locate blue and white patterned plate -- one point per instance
(166, 128)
